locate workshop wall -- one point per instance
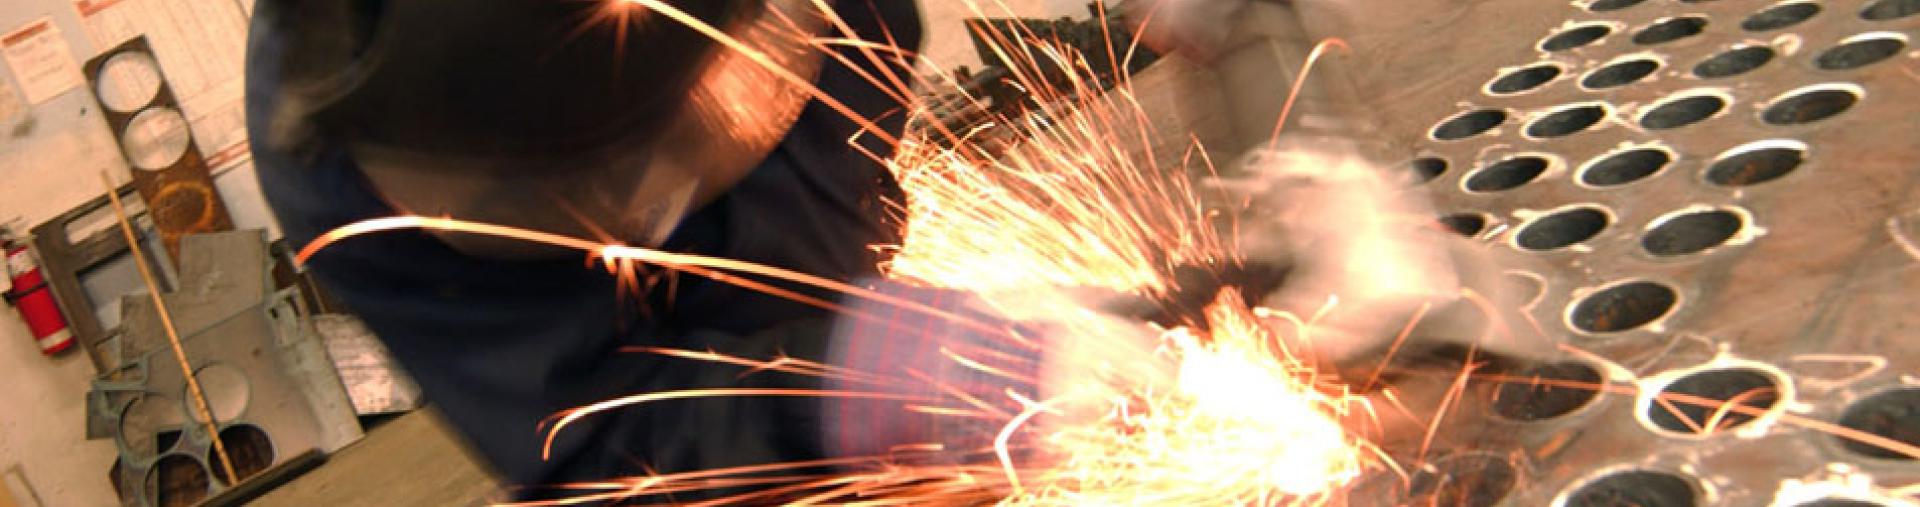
(53, 146)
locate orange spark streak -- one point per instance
(567, 417)
(1001, 440)
(983, 368)
(961, 395)
(949, 411)
(1300, 82)
(1398, 340)
(634, 486)
(866, 49)
(622, 252)
(761, 58)
(1719, 414)
(781, 364)
(1454, 392)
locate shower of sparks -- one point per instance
(1032, 207)
(1173, 426)
(1239, 423)
(1042, 215)
(1070, 201)
(1028, 210)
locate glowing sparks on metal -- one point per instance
(1030, 210)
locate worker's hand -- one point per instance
(1367, 262)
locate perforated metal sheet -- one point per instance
(269, 386)
(1722, 195)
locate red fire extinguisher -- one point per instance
(30, 294)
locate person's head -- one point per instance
(559, 115)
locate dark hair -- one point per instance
(512, 77)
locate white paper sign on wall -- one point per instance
(40, 60)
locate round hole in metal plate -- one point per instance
(1625, 167)
(155, 138)
(1562, 228)
(1523, 79)
(1733, 62)
(1465, 480)
(1861, 51)
(1840, 502)
(1718, 388)
(1669, 30)
(145, 420)
(227, 391)
(1636, 488)
(1469, 124)
(1681, 112)
(1894, 415)
(1465, 224)
(1380, 488)
(1611, 5)
(249, 448)
(1811, 104)
(1546, 391)
(1575, 37)
(1883, 10)
(128, 81)
(177, 480)
(1566, 121)
(1756, 162)
(1623, 307)
(1619, 73)
(1506, 174)
(1428, 168)
(1780, 16)
(1691, 232)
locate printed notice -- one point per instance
(41, 60)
